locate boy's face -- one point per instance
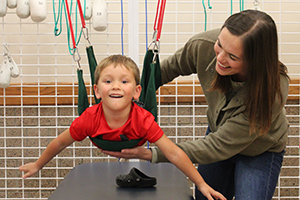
(116, 87)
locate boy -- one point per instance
(116, 117)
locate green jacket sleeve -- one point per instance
(199, 50)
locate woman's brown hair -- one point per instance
(260, 49)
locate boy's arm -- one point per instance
(175, 155)
(55, 146)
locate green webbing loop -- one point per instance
(150, 82)
(92, 64)
(83, 102)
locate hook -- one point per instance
(256, 4)
(78, 59)
(86, 34)
(155, 51)
(6, 50)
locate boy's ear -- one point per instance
(97, 92)
(137, 93)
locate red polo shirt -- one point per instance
(92, 123)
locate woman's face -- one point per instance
(229, 52)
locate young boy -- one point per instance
(116, 117)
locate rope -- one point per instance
(57, 31)
(122, 28)
(205, 14)
(160, 10)
(74, 38)
(146, 27)
(241, 5)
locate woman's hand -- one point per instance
(137, 152)
(209, 192)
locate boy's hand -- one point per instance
(30, 168)
(210, 193)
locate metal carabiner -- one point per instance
(256, 4)
(78, 59)
(86, 34)
(156, 46)
(154, 39)
(155, 51)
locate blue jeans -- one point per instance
(243, 177)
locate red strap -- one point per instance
(160, 9)
(70, 21)
(81, 14)
(70, 24)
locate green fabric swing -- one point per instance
(150, 82)
(83, 102)
(92, 64)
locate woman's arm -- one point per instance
(134, 153)
(55, 146)
(182, 162)
(197, 53)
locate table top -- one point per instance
(91, 181)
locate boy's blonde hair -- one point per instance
(116, 60)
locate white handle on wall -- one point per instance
(23, 9)
(3, 8)
(88, 8)
(13, 67)
(38, 10)
(5, 73)
(12, 3)
(99, 15)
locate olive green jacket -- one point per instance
(230, 136)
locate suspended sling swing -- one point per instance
(151, 75)
(150, 81)
(82, 94)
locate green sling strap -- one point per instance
(92, 64)
(83, 101)
(150, 82)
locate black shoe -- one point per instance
(134, 179)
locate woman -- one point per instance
(245, 87)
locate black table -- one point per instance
(97, 181)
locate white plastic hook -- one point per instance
(3, 8)
(5, 73)
(11, 3)
(13, 67)
(38, 10)
(10, 62)
(99, 15)
(256, 5)
(5, 50)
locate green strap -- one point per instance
(83, 102)
(115, 145)
(150, 82)
(92, 65)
